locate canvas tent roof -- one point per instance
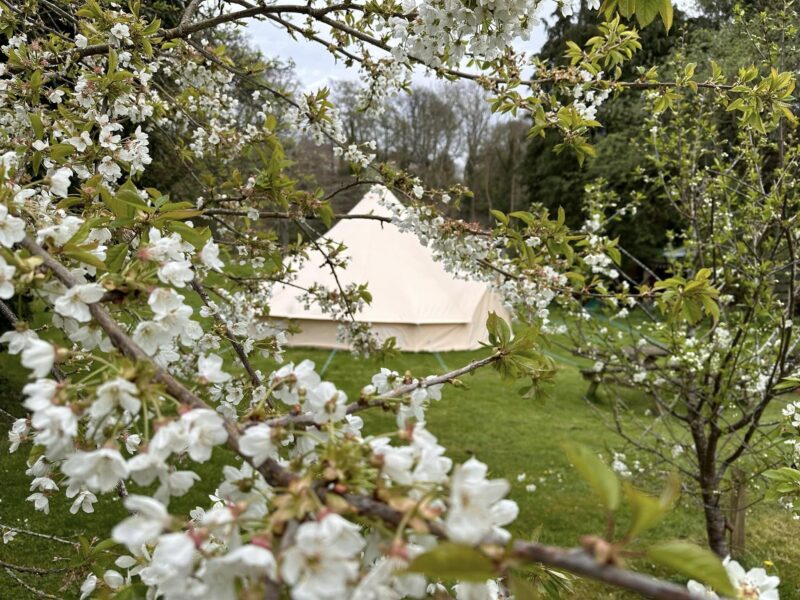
(414, 298)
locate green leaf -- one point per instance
(177, 215)
(783, 482)
(326, 214)
(646, 511)
(85, 257)
(115, 257)
(646, 11)
(627, 7)
(788, 383)
(499, 331)
(59, 152)
(783, 474)
(666, 13)
(694, 562)
(597, 473)
(500, 216)
(197, 237)
(133, 199)
(104, 545)
(36, 123)
(451, 562)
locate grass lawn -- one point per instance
(488, 418)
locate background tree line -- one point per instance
(446, 133)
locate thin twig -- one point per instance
(45, 536)
(34, 570)
(36, 591)
(354, 407)
(237, 347)
(265, 214)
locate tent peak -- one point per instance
(379, 201)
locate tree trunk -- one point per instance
(715, 520)
(737, 513)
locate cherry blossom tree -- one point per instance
(131, 384)
(715, 347)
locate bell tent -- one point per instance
(414, 299)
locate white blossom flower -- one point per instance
(39, 394)
(257, 443)
(323, 560)
(18, 432)
(17, 340)
(60, 233)
(56, 428)
(326, 403)
(99, 470)
(109, 169)
(115, 393)
(151, 336)
(164, 302)
(489, 590)
(149, 519)
(6, 279)
(81, 142)
(90, 583)
(755, 583)
(174, 483)
(296, 380)
(75, 302)
(169, 439)
(700, 591)
(386, 380)
(60, 182)
(120, 33)
(209, 256)
(247, 561)
(477, 506)
(40, 502)
(209, 369)
(12, 229)
(205, 430)
(169, 570)
(38, 356)
(84, 499)
(176, 272)
(56, 96)
(113, 579)
(132, 442)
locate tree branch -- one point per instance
(265, 214)
(186, 28)
(354, 407)
(580, 562)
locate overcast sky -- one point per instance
(316, 67)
